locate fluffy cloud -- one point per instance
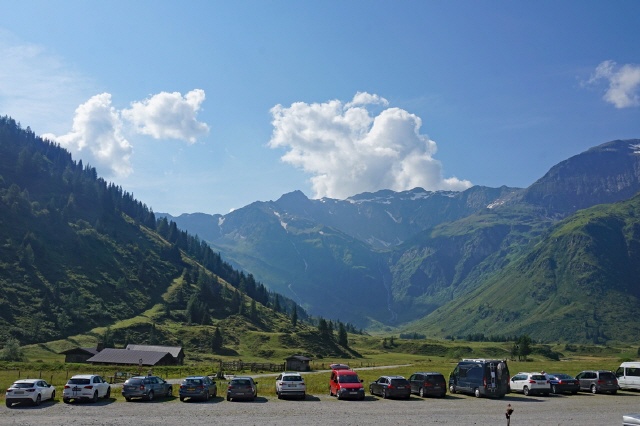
(96, 137)
(169, 115)
(347, 150)
(624, 83)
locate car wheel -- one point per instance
(170, 391)
(452, 389)
(593, 389)
(421, 392)
(127, 399)
(384, 394)
(304, 396)
(279, 395)
(95, 397)
(8, 403)
(108, 394)
(476, 393)
(574, 392)
(525, 390)
(53, 395)
(228, 398)
(613, 392)
(554, 389)
(66, 400)
(182, 399)
(215, 392)
(150, 396)
(38, 400)
(206, 395)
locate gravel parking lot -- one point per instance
(581, 409)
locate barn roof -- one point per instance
(173, 350)
(130, 357)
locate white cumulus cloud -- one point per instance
(624, 83)
(348, 150)
(96, 137)
(98, 132)
(169, 115)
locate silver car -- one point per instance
(146, 387)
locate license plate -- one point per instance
(76, 389)
(353, 393)
(240, 393)
(191, 389)
(19, 392)
(400, 387)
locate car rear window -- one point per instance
(134, 381)
(22, 385)
(399, 382)
(607, 376)
(538, 377)
(292, 378)
(79, 381)
(240, 382)
(434, 378)
(193, 381)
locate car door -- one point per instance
(517, 382)
(101, 385)
(412, 380)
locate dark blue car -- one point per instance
(563, 383)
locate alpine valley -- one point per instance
(559, 260)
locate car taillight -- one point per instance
(30, 390)
(390, 386)
(182, 386)
(484, 382)
(67, 387)
(230, 387)
(600, 382)
(9, 390)
(141, 387)
(531, 381)
(427, 384)
(200, 387)
(560, 382)
(89, 387)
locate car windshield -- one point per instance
(79, 381)
(399, 382)
(292, 378)
(241, 382)
(22, 385)
(193, 381)
(351, 378)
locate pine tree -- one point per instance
(342, 336)
(294, 317)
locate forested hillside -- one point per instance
(77, 252)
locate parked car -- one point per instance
(291, 384)
(33, 391)
(631, 419)
(480, 377)
(628, 375)
(198, 387)
(87, 387)
(146, 387)
(597, 381)
(242, 387)
(563, 383)
(429, 383)
(391, 387)
(344, 383)
(531, 384)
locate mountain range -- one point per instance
(557, 260)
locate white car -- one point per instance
(291, 384)
(530, 383)
(86, 386)
(33, 391)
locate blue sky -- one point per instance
(207, 106)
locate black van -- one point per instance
(480, 377)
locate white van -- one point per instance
(628, 375)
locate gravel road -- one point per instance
(581, 409)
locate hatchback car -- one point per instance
(530, 384)
(33, 391)
(597, 381)
(563, 383)
(86, 387)
(291, 384)
(242, 387)
(198, 387)
(146, 387)
(428, 383)
(391, 387)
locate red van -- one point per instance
(344, 383)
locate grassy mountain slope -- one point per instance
(579, 283)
